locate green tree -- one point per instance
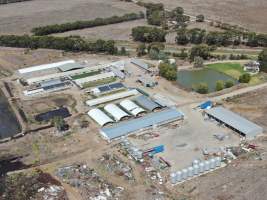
(201, 50)
(245, 78)
(198, 62)
(58, 123)
(141, 50)
(200, 18)
(153, 54)
(263, 60)
(229, 83)
(181, 37)
(168, 71)
(219, 85)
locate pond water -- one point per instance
(9, 125)
(189, 78)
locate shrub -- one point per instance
(168, 71)
(219, 85)
(229, 84)
(200, 18)
(263, 60)
(198, 62)
(245, 78)
(201, 88)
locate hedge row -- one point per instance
(60, 28)
(74, 44)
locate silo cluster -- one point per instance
(197, 168)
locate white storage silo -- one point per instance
(212, 163)
(190, 171)
(173, 177)
(218, 161)
(184, 173)
(179, 176)
(139, 154)
(196, 169)
(195, 162)
(207, 165)
(201, 167)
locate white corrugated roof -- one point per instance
(115, 111)
(131, 107)
(43, 67)
(88, 79)
(120, 95)
(99, 116)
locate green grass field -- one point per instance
(234, 70)
(83, 75)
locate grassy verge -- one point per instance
(99, 82)
(83, 75)
(235, 70)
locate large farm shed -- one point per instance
(235, 122)
(44, 67)
(131, 107)
(113, 97)
(146, 103)
(140, 64)
(139, 124)
(94, 78)
(117, 113)
(100, 117)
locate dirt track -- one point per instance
(251, 14)
(21, 17)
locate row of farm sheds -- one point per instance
(128, 116)
(65, 73)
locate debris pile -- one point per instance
(130, 150)
(53, 192)
(91, 185)
(115, 165)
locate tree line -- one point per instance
(60, 28)
(148, 34)
(71, 43)
(225, 38)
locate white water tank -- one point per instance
(190, 171)
(173, 177)
(184, 173)
(218, 161)
(201, 167)
(212, 163)
(207, 165)
(195, 162)
(139, 154)
(179, 176)
(196, 169)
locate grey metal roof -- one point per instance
(140, 63)
(50, 83)
(146, 103)
(234, 120)
(127, 127)
(70, 66)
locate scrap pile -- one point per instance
(53, 192)
(90, 184)
(115, 165)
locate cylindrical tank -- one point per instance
(139, 154)
(196, 169)
(195, 162)
(190, 171)
(201, 167)
(207, 165)
(218, 161)
(184, 173)
(179, 176)
(173, 177)
(212, 163)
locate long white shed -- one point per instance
(116, 112)
(131, 107)
(99, 116)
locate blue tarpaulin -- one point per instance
(206, 105)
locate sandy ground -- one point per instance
(121, 31)
(251, 14)
(19, 18)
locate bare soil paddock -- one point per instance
(120, 31)
(250, 14)
(21, 17)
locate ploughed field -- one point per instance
(20, 18)
(250, 14)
